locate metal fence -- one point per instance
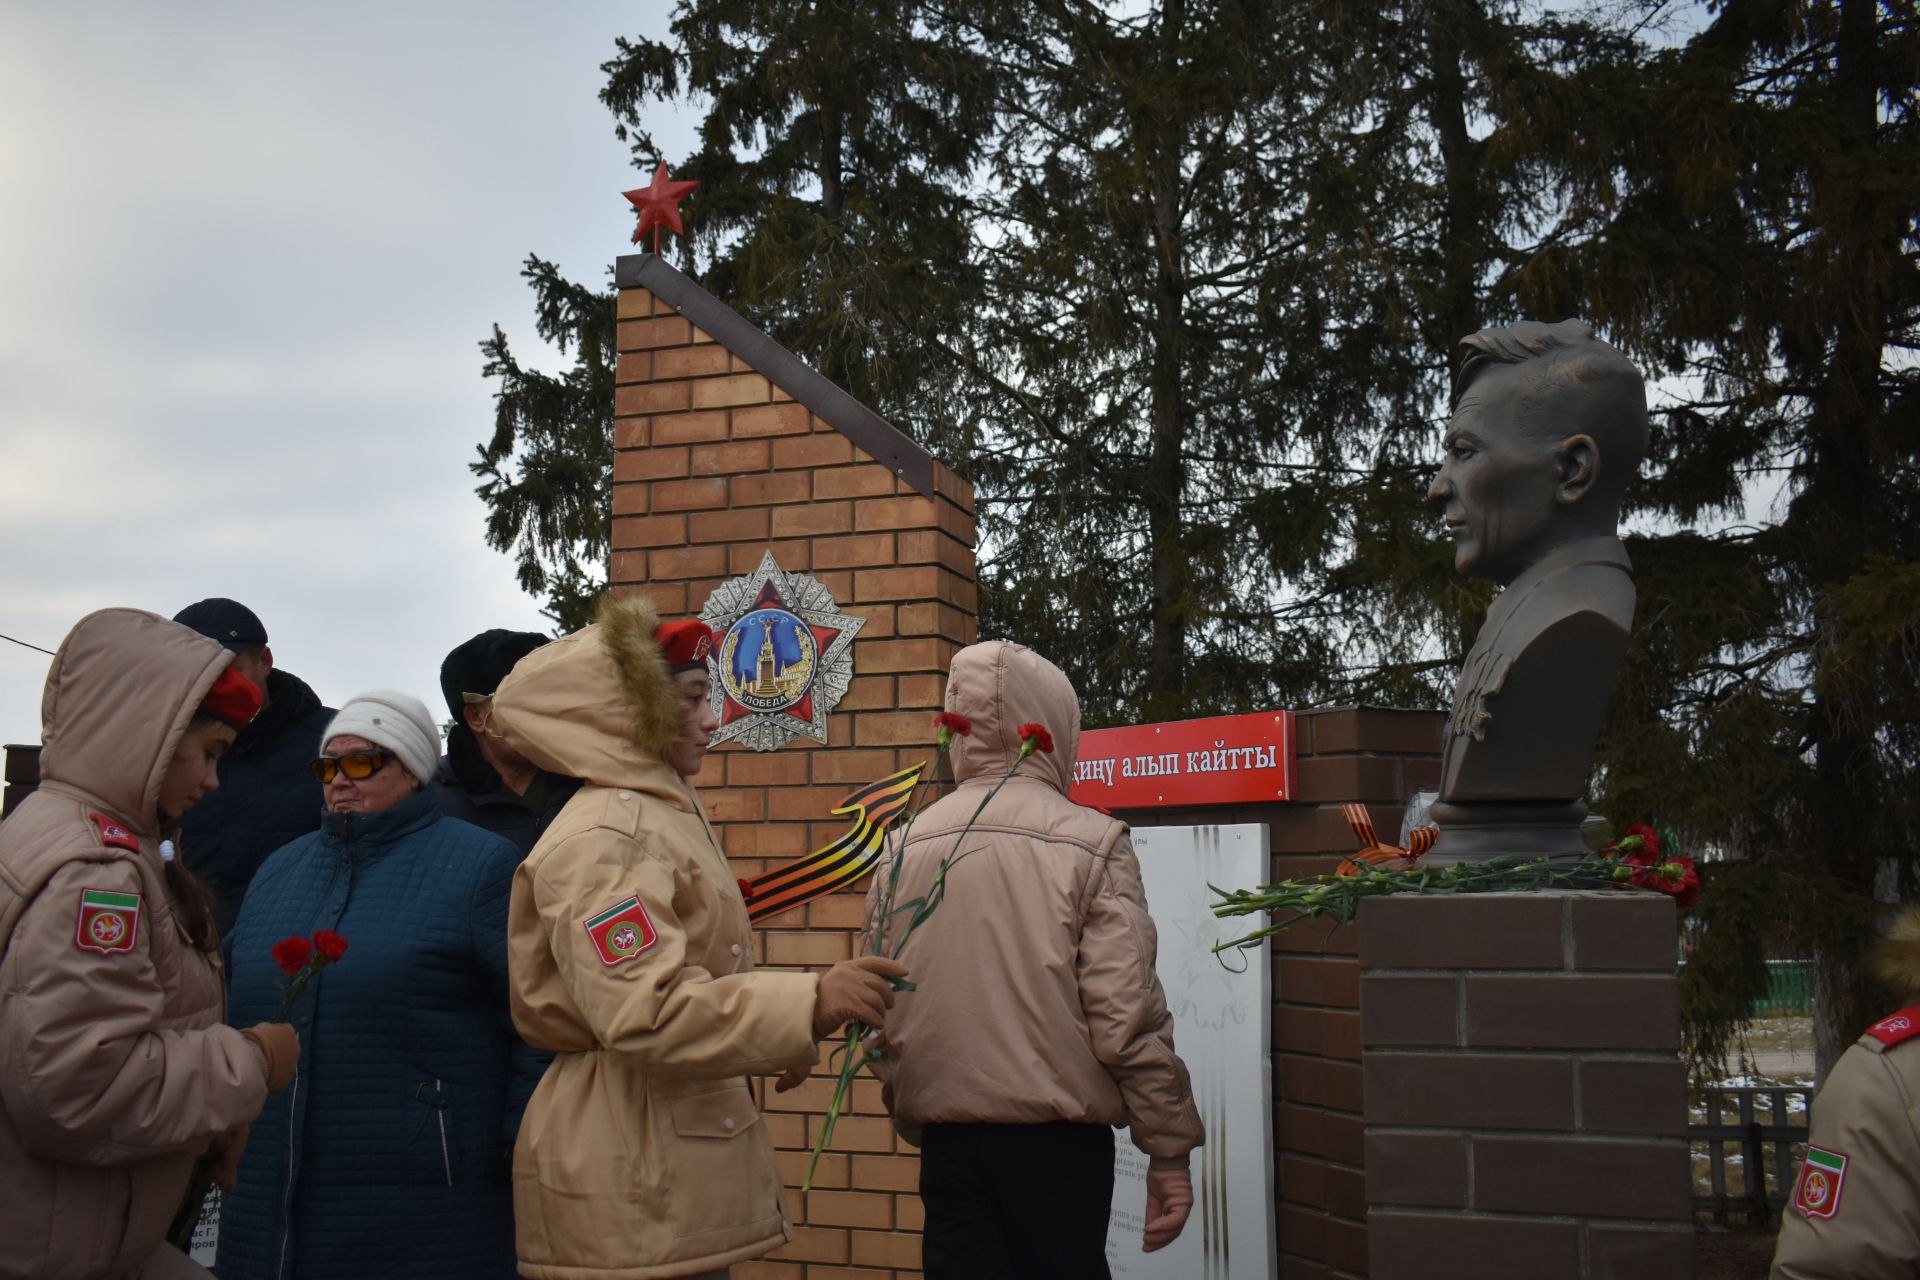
(1789, 988)
(1756, 1131)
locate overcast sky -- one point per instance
(247, 252)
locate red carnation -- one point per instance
(1676, 877)
(1679, 877)
(330, 944)
(952, 724)
(1649, 839)
(292, 954)
(746, 887)
(1037, 735)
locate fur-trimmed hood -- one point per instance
(1896, 958)
(599, 704)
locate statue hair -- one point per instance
(1563, 362)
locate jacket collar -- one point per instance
(365, 835)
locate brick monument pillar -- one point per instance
(727, 448)
(1525, 1101)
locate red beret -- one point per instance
(233, 700)
(684, 644)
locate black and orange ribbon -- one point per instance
(1374, 853)
(879, 806)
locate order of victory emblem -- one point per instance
(785, 658)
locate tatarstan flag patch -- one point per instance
(622, 931)
(1822, 1177)
(109, 921)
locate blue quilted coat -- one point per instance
(389, 1156)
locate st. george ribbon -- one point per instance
(879, 806)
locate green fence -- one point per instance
(1789, 988)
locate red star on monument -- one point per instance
(659, 205)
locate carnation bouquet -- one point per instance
(1641, 859)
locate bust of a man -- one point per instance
(1549, 424)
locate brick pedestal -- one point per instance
(1525, 1103)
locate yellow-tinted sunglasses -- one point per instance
(357, 765)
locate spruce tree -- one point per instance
(1756, 240)
(835, 149)
(546, 473)
(832, 160)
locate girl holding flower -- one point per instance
(117, 1073)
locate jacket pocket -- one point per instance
(727, 1114)
(432, 1141)
(722, 1173)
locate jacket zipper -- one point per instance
(446, 1161)
(286, 1200)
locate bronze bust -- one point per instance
(1549, 424)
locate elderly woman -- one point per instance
(116, 1071)
(389, 1156)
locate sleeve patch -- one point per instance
(1823, 1175)
(109, 921)
(622, 931)
(112, 833)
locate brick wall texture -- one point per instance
(713, 467)
(1525, 1104)
(1376, 757)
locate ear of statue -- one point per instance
(1579, 463)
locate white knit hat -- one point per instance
(401, 724)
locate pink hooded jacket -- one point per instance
(1036, 998)
(115, 1069)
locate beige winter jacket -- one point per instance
(1036, 998)
(115, 1070)
(1855, 1212)
(642, 1153)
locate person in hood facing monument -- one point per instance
(482, 779)
(117, 1071)
(1855, 1213)
(642, 1153)
(1037, 1022)
(266, 795)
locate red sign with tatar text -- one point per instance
(1219, 760)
